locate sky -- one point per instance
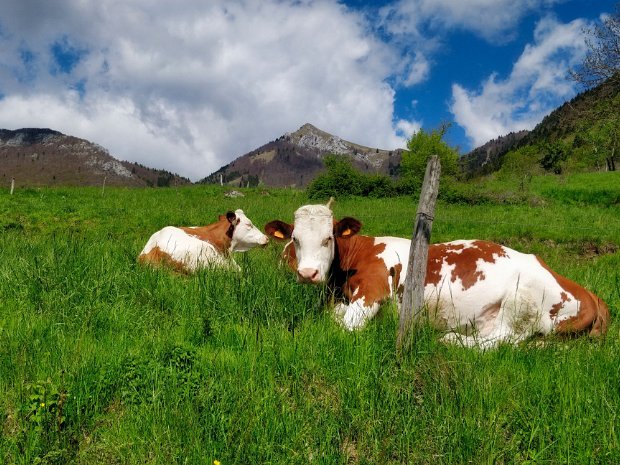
(190, 85)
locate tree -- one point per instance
(604, 140)
(420, 148)
(341, 179)
(553, 156)
(602, 60)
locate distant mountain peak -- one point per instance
(295, 158)
(311, 137)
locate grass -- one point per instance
(104, 361)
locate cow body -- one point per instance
(186, 249)
(481, 292)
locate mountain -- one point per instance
(586, 129)
(43, 157)
(488, 157)
(294, 159)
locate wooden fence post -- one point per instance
(413, 295)
(12, 185)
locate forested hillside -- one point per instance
(581, 135)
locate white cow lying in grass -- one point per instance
(482, 292)
(186, 249)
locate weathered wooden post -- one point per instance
(413, 295)
(12, 185)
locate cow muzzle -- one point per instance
(308, 275)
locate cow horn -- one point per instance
(330, 202)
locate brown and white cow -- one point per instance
(188, 248)
(482, 292)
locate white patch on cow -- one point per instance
(313, 238)
(356, 314)
(396, 251)
(246, 236)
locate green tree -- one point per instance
(341, 179)
(554, 154)
(420, 147)
(522, 163)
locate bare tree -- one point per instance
(602, 60)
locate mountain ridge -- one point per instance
(35, 157)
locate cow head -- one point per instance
(243, 234)
(314, 236)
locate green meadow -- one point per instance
(104, 361)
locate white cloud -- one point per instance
(535, 86)
(494, 20)
(418, 69)
(407, 128)
(189, 88)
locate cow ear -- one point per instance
(347, 227)
(279, 229)
(230, 216)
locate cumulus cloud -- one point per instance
(535, 85)
(423, 26)
(494, 20)
(192, 86)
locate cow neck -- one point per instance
(218, 234)
(337, 276)
(349, 255)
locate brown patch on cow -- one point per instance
(599, 326)
(157, 257)
(593, 314)
(366, 272)
(555, 308)
(218, 234)
(464, 258)
(289, 256)
(397, 286)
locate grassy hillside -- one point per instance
(580, 135)
(104, 361)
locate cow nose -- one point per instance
(308, 275)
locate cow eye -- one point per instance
(326, 241)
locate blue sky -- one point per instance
(190, 85)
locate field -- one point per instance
(103, 361)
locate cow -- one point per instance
(185, 249)
(481, 292)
